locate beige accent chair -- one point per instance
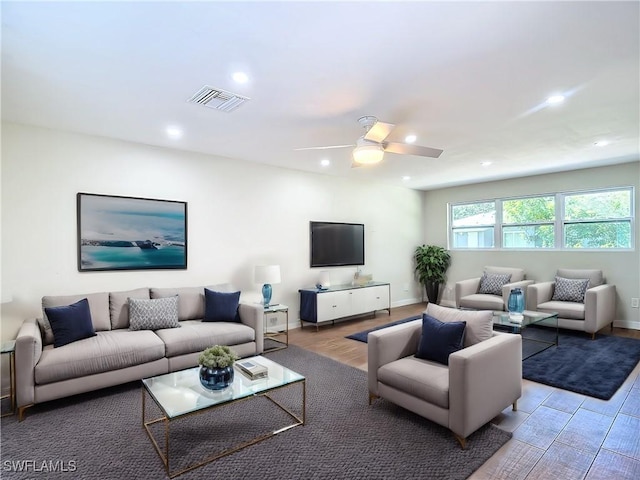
(596, 312)
(467, 295)
(481, 380)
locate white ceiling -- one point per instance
(468, 77)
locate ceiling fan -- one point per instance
(370, 147)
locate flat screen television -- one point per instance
(336, 244)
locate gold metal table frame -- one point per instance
(167, 420)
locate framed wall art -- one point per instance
(129, 233)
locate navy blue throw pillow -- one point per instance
(440, 339)
(70, 322)
(221, 306)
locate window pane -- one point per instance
(528, 236)
(473, 237)
(598, 235)
(528, 210)
(598, 205)
(473, 214)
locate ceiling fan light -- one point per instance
(368, 154)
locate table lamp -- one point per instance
(267, 274)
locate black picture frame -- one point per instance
(130, 233)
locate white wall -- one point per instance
(620, 268)
(240, 214)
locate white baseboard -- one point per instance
(405, 302)
(627, 324)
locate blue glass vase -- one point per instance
(216, 378)
(515, 304)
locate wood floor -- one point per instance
(556, 434)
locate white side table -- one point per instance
(276, 327)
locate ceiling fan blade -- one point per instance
(406, 149)
(379, 131)
(328, 147)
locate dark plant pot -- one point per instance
(216, 378)
(432, 290)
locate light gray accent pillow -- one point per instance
(119, 306)
(570, 290)
(153, 314)
(491, 283)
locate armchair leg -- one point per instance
(593, 336)
(21, 411)
(515, 406)
(372, 397)
(462, 441)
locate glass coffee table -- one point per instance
(179, 394)
(539, 330)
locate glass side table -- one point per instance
(9, 348)
(276, 327)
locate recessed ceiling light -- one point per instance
(174, 132)
(410, 138)
(325, 163)
(601, 143)
(555, 99)
(406, 178)
(485, 164)
(240, 77)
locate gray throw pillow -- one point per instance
(491, 283)
(570, 289)
(153, 314)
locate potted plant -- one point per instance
(432, 263)
(216, 367)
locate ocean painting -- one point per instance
(128, 233)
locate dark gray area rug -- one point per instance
(596, 368)
(100, 436)
(362, 336)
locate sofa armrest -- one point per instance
(388, 345)
(599, 307)
(28, 352)
(253, 316)
(483, 380)
(539, 293)
(466, 287)
(507, 287)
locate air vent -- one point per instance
(218, 99)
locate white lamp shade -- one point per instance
(368, 154)
(267, 274)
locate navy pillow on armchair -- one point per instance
(440, 339)
(70, 322)
(221, 306)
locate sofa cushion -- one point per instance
(479, 323)
(439, 339)
(570, 310)
(595, 276)
(491, 283)
(70, 323)
(221, 306)
(191, 299)
(570, 290)
(98, 304)
(119, 306)
(105, 352)
(426, 380)
(195, 336)
(517, 274)
(153, 314)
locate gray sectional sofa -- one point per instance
(117, 354)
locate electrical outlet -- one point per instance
(635, 303)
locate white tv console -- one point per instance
(342, 301)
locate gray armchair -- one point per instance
(595, 311)
(470, 295)
(480, 381)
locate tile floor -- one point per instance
(564, 435)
